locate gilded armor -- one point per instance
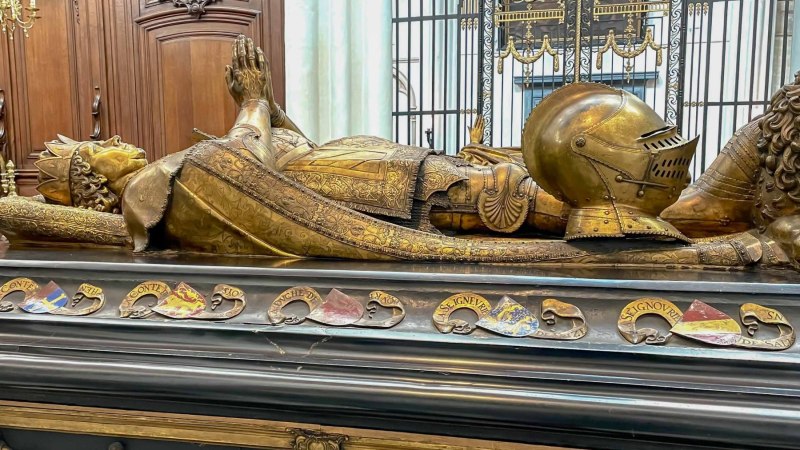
(721, 201)
(611, 157)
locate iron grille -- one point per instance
(708, 66)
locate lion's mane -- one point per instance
(779, 154)
(89, 189)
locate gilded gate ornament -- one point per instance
(51, 299)
(509, 318)
(337, 308)
(183, 302)
(629, 50)
(706, 324)
(529, 17)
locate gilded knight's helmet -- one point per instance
(611, 157)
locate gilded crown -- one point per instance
(54, 167)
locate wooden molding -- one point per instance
(208, 430)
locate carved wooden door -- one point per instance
(171, 63)
(50, 82)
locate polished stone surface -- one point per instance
(599, 392)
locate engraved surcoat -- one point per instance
(219, 197)
(367, 174)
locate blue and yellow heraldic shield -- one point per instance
(47, 299)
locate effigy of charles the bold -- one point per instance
(599, 179)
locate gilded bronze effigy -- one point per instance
(598, 181)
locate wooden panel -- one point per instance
(178, 62)
(194, 94)
(158, 71)
(44, 100)
(51, 81)
(184, 85)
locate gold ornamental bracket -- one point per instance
(317, 440)
(630, 8)
(193, 7)
(530, 15)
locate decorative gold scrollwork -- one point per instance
(51, 299)
(317, 440)
(509, 318)
(193, 7)
(337, 308)
(24, 285)
(183, 302)
(751, 315)
(706, 324)
(552, 308)
(474, 302)
(380, 298)
(629, 50)
(642, 307)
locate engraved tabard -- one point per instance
(368, 174)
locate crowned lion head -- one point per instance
(88, 174)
